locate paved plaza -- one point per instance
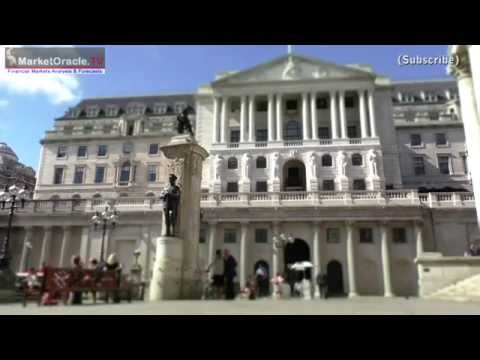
(358, 306)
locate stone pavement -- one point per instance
(357, 306)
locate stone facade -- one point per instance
(297, 146)
(12, 171)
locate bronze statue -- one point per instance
(183, 123)
(171, 198)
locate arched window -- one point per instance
(232, 163)
(326, 160)
(125, 172)
(357, 160)
(293, 131)
(261, 162)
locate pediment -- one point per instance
(294, 68)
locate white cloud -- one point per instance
(4, 103)
(59, 88)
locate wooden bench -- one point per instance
(64, 281)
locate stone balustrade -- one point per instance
(286, 199)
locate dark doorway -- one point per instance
(335, 279)
(296, 252)
(294, 178)
(263, 282)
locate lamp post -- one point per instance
(107, 217)
(9, 199)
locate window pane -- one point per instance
(232, 187)
(230, 237)
(262, 134)
(152, 173)
(415, 140)
(235, 136)
(261, 236)
(61, 151)
(399, 235)
(349, 102)
(324, 133)
(262, 106)
(125, 174)
(322, 103)
(359, 184)
(82, 151)
(261, 186)
(352, 132)
(293, 131)
(78, 176)
(333, 235)
(99, 174)
(232, 163)
(102, 150)
(418, 166)
(261, 162)
(443, 165)
(291, 105)
(441, 139)
(328, 185)
(153, 149)
(357, 160)
(58, 178)
(326, 160)
(366, 235)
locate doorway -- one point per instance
(335, 279)
(294, 178)
(297, 251)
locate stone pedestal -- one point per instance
(217, 187)
(375, 183)
(314, 185)
(274, 185)
(342, 183)
(186, 163)
(244, 186)
(167, 270)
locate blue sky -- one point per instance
(28, 105)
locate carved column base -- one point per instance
(375, 183)
(217, 187)
(244, 186)
(342, 183)
(314, 185)
(274, 185)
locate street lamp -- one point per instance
(9, 199)
(107, 217)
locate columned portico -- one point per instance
(371, 111)
(216, 112)
(243, 119)
(67, 232)
(363, 113)
(224, 121)
(333, 114)
(385, 247)
(47, 238)
(352, 281)
(271, 115)
(279, 117)
(25, 249)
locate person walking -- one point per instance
(230, 272)
(217, 267)
(114, 265)
(261, 275)
(322, 285)
(76, 279)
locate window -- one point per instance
(78, 176)
(92, 112)
(261, 236)
(261, 162)
(152, 173)
(444, 164)
(58, 175)
(434, 115)
(136, 109)
(232, 187)
(61, 152)
(464, 163)
(111, 111)
(352, 132)
(349, 102)
(107, 129)
(203, 236)
(261, 186)
(130, 128)
(160, 109)
(230, 236)
(127, 148)
(366, 235)
(234, 106)
(333, 235)
(359, 185)
(232, 163)
(357, 160)
(234, 136)
(179, 107)
(327, 160)
(324, 133)
(262, 106)
(418, 166)
(293, 131)
(125, 173)
(322, 103)
(82, 151)
(291, 105)
(102, 150)
(262, 135)
(399, 235)
(415, 140)
(328, 185)
(99, 174)
(68, 130)
(389, 187)
(440, 139)
(153, 149)
(87, 129)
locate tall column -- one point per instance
(313, 112)
(333, 115)
(216, 112)
(251, 118)
(417, 233)
(26, 251)
(363, 113)
(243, 119)
(371, 110)
(279, 117)
(224, 124)
(275, 251)
(145, 252)
(306, 132)
(317, 268)
(85, 243)
(243, 253)
(343, 120)
(212, 232)
(387, 280)
(67, 234)
(47, 238)
(271, 124)
(352, 281)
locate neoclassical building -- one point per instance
(12, 170)
(359, 173)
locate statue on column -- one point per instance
(342, 164)
(372, 159)
(218, 163)
(246, 162)
(171, 199)
(312, 163)
(183, 123)
(275, 165)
